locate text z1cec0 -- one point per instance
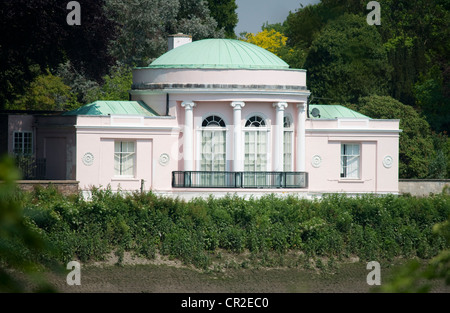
(232, 302)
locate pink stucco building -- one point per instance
(219, 116)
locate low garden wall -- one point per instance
(422, 187)
(66, 187)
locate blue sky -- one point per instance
(253, 14)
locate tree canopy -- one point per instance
(224, 12)
(36, 37)
(347, 60)
(39, 48)
(415, 144)
(404, 59)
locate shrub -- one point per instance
(370, 227)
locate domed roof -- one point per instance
(219, 53)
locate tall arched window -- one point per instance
(255, 150)
(287, 144)
(213, 153)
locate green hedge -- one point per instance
(370, 227)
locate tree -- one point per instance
(416, 144)
(36, 37)
(304, 25)
(78, 82)
(224, 12)
(432, 100)
(144, 25)
(270, 40)
(46, 92)
(275, 42)
(440, 162)
(347, 61)
(115, 87)
(417, 37)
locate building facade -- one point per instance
(223, 116)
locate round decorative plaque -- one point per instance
(88, 159)
(387, 161)
(164, 159)
(316, 161)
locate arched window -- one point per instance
(213, 121)
(256, 140)
(213, 151)
(255, 121)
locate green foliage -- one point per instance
(413, 67)
(78, 81)
(417, 37)
(347, 61)
(46, 92)
(337, 226)
(432, 101)
(35, 35)
(23, 247)
(440, 164)
(143, 27)
(115, 85)
(304, 25)
(416, 143)
(224, 12)
(416, 276)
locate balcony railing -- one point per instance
(216, 179)
(31, 168)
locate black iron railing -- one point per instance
(216, 179)
(31, 168)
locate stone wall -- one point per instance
(422, 187)
(66, 187)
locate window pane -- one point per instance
(350, 160)
(213, 150)
(124, 158)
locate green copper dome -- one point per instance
(220, 54)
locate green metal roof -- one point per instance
(328, 111)
(219, 53)
(103, 107)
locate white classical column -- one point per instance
(278, 153)
(238, 160)
(300, 151)
(188, 135)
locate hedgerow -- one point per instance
(336, 226)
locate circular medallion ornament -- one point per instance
(387, 161)
(316, 161)
(88, 159)
(164, 159)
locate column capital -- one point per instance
(188, 105)
(237, 104)
(301, 105)
(280, 105)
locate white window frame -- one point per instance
(120, 174)
(265, 130)
(214, 129)
(199, 137)
(343, 169)
(22, 143)
(289, 130)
